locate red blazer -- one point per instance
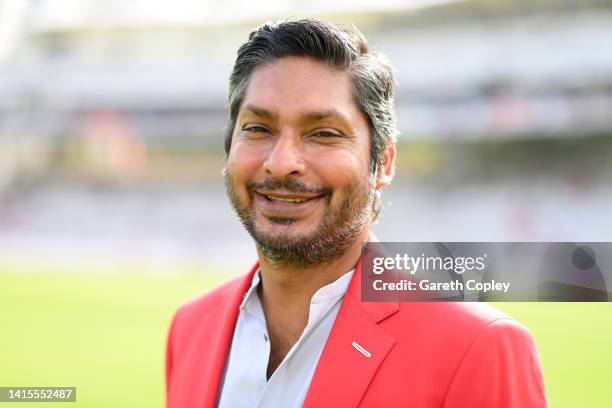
(422, 354)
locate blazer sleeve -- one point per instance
(500, 369)
(169, 354)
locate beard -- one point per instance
(336, 231)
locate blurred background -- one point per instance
(112, 205)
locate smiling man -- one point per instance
(310, 144)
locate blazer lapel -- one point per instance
(215, 345)
(356, 347)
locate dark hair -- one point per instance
(341, 48)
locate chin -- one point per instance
(285, 228)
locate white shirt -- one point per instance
(244, 383)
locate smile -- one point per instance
(287, 205)
(286, 199)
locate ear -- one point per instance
(386, 170)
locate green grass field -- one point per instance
(106, 333)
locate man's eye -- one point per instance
(255, 129)
(326, 134)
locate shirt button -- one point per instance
(266, 338)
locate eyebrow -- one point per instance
(313, 116)
(256, 110)
(333, 114)
(308, 117)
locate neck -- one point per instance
(289, 282)
(286, 291)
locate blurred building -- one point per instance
(505, 109)
(466, 70)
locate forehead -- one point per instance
(298, 85)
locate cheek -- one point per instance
(347, 175)
(243, 164)
(341, 169)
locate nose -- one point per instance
(286, 157)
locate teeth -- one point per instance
(289, 200)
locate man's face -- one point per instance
(297, 171)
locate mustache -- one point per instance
(290, 185)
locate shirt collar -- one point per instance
(250, 303)
(327, 293)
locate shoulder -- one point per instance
(202, 324)
(469, 348)
(450, 329)
(484, 327)
(208, 313)
(469, 317)
(500, 356)
(207, 304)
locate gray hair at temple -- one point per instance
(342, 48)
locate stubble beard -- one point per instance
(337, 230)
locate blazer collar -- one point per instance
(356, 347)
(218, 343)
(376, 310)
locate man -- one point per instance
(310, 144)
